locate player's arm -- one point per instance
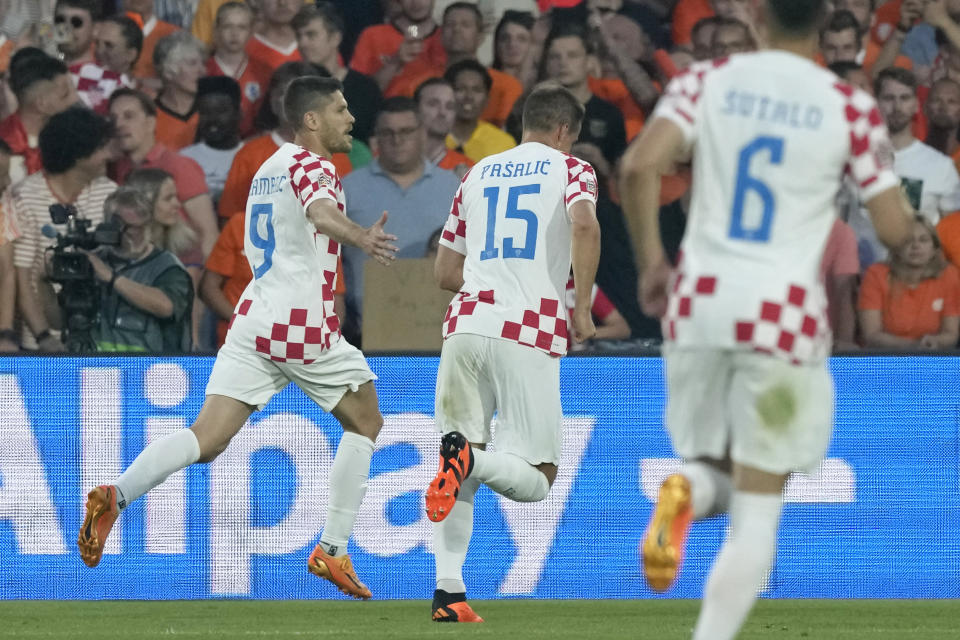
(651, 156)
(585, 250)
(892, 217)
(871, 324)
(448, 269)
(373, 241)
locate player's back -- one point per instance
(290, 299)
(514, 228)
(772, 136)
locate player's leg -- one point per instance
(697, 382)
(465, 405)
(238, 384)
(342, 384)
(782, 421)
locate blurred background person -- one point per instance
(178, 59)
(912, 301)
(145, 293)
(153, 30)
(119, 42)
(437, 107)
(470, 135)
(74, 148)
(513, 47)
(9, 340)
(73, 22)
(218, 134)
(274, 41)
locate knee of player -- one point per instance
(367, 425)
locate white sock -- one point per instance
(510, 476)
(348, 484)
(743, 560)
(710, 489)
(451, 539)
(156, 463)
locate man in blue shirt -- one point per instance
(415, 192)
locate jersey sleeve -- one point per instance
(581, 182)
(871, 153)
(313, 178)
(681, 100)
(454, 234)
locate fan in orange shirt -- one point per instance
(231, 31)
(461, 33)
(254, 152)
(913, 300)
(141, 12)
(274, 41)
(227, 274)
(687, 13)
(178, 59)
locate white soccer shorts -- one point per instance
(770, 415)
(479, 376)
(249, 377)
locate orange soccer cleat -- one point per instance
(662, 547)
(339, 571)
(452, 607)
(456, 463)
(102, 512)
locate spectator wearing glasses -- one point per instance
(146, 294)
(415, 192)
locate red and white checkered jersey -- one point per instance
(95, 84)
(771, 135)
(286, 312)
(510, 218)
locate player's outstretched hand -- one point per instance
(653, 289)
(378, 244)
(583, 327)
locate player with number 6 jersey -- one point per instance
(517, 220)
(283, 330)
(750, 400)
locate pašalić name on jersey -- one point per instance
(766, 109)
(515, 169)
(268, 185)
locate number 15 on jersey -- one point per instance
(525, 248)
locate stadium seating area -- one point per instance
(169, 107)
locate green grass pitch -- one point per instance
(512, 620)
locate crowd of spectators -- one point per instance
(155, 114)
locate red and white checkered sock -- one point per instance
(348, 484)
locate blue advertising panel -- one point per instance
(880, 518)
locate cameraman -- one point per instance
(74, 151)
(146, 294)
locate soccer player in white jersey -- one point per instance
(284, 330)
(506, 249)
(744, 314)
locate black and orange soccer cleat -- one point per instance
(102, 512)
(456, 463)
(452, 607)
(339, 571)
(662, 547)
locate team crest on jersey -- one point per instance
(590, 185)
(324, 180)
(252, 91)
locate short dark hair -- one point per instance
(32, 68)
(903, 76)
(322, 10)
(306, 94)
(468, 65)
(468, 6)
(550, 105)
(266, 119)
(568, 30)
(230, 6)
(223, 85)
(842, 68)
(399, 104)
(93, 7)
(146, 103)
(71, 136)
(426, 84)
(841, 20)
(796, 17)
(702, 23)
(524, 19)
(132, 34)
